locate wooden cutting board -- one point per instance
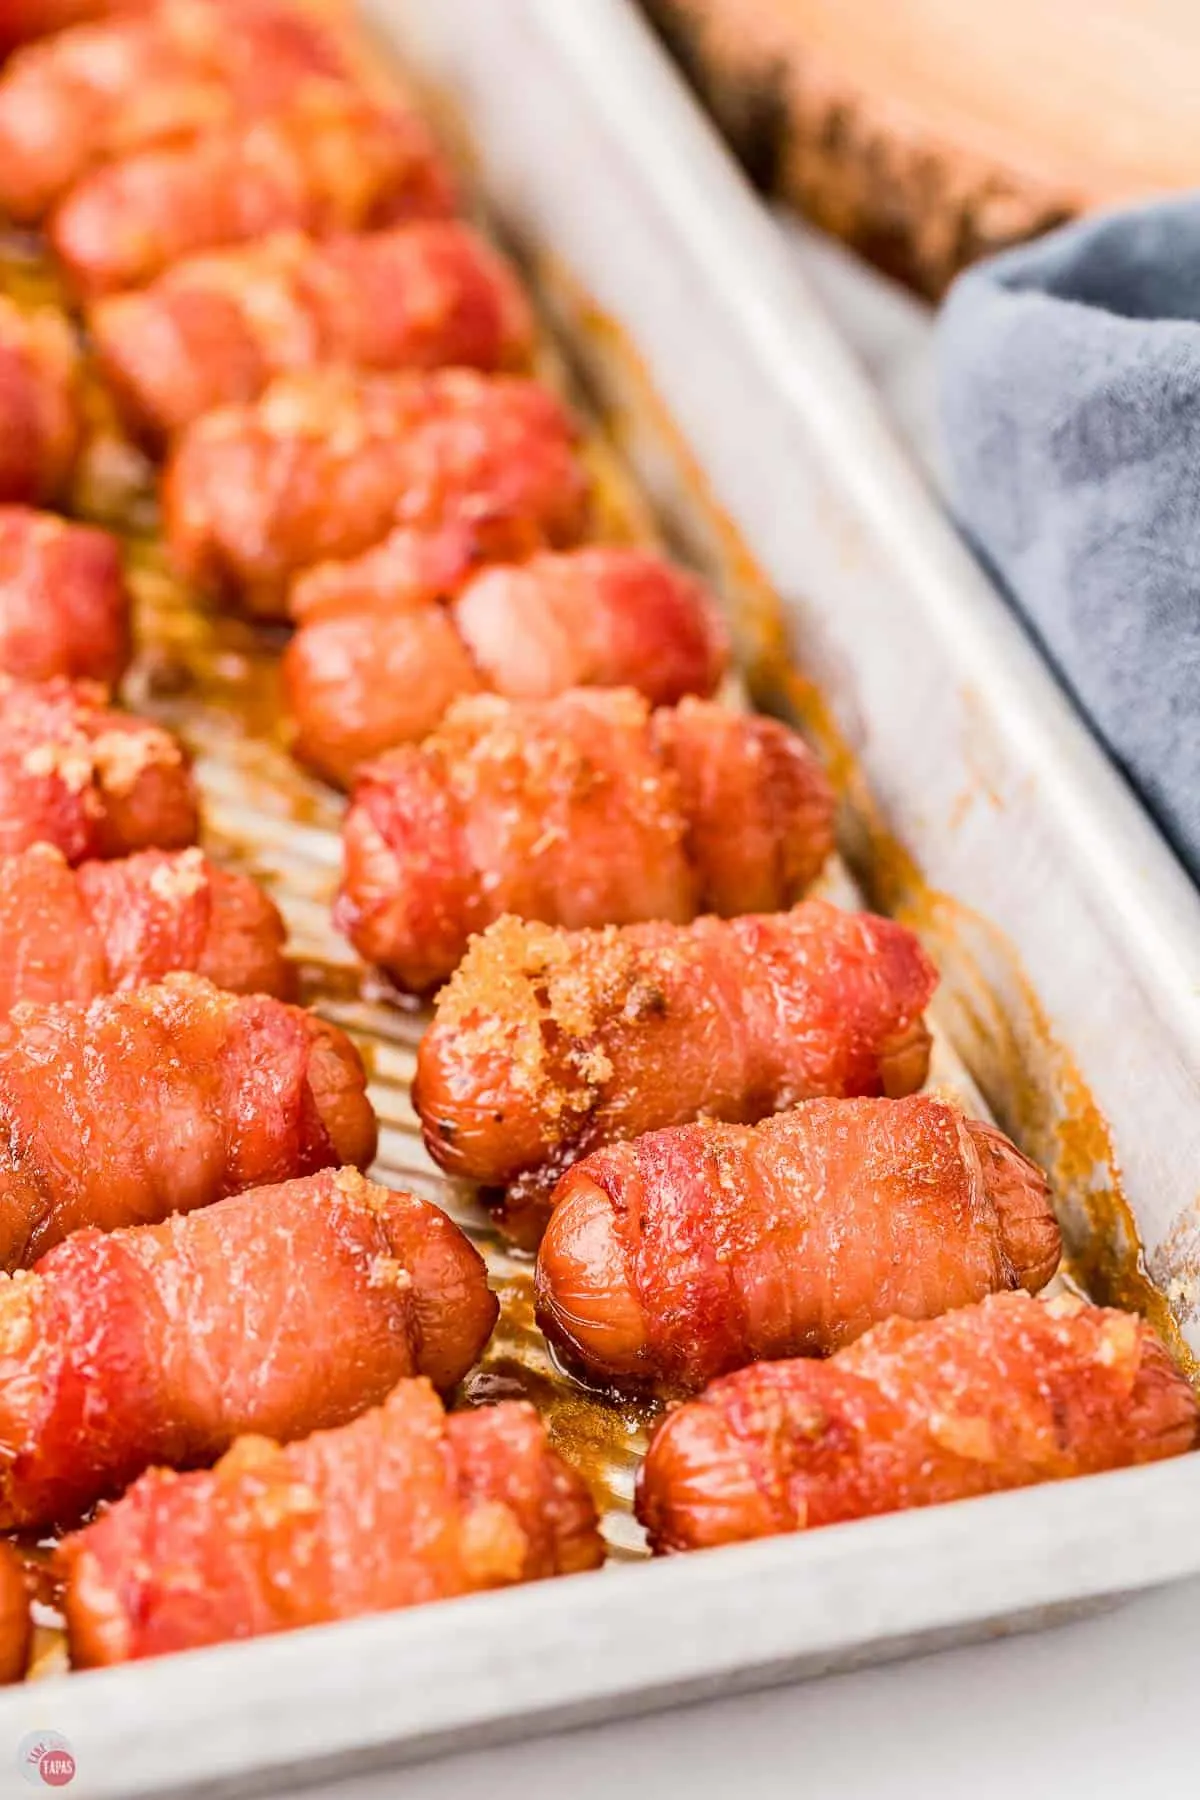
(928, 132)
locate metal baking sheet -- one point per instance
(754, 429)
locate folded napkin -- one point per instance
(1069, 389)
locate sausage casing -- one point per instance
(1000, 1395)
(587, 809)
(379, 658)
(693, 1251)
(164, 1099)
(215, 330)
(74, 934)
(64, 606)
(93, 781)
(283, 1310)
(403, 1506)
(547, 1043)
(40, 430)
(327, 463)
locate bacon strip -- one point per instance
(39, 404)
(215, 330)
(163, 1100)
(1004, 1394)
(166, 75)
(331, 160)
(64, 606)
(583, 810)
(546, 1044)
(329, 462)
(607, 616)
(282, 1311)
(404, 1506)
(378, 659)
(90, 780)
(693, 1251)
(74, 934)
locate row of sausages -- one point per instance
(164, 1306)
(349, 441)
(406, 1504)
(343, 446)
(135, 141)
(117, 1353)
(370, 671)
(805, 1228)
(691, 1091)
(132, 1098)
(672, 1258)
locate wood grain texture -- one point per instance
(928, 134)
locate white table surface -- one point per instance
(1101, 1707)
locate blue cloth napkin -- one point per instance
(1069, 388)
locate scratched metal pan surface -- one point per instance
(1062, 927)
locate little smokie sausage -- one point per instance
(328, 463)
(588, 809)
(605, 616)
(403, 1506)
(284, 1310)
(690, 1252)
(378, 658)
(74, 934)
(546, 1043)
(93, 781)
(64, 606)
(215, 330)
(330, 160)
(162, 1100)
(78, 99)
(1000, 1395)
(40, 428)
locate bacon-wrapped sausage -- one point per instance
(39, 403)
(92, 781)
(74, 934)
(64, 607)
(359, 681)
(377, 659)
(1004, 1394)
(16, 1620)
(328, 462)
(311, 1300)
(403, 1506)
(603, 617)
(162, 1100)
(588, 809)
(546, 1044)
(168, 75)
(693, 1251)
(214, 331)
(331, 160)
